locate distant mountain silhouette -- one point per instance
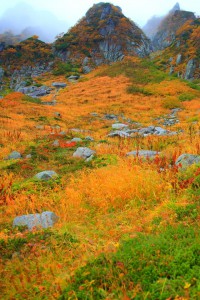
(25, 17)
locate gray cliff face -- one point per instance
(190, 69)
(109, 36)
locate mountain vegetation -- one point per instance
(100, 164)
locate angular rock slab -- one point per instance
(186, 160)
(59, 85)
(83, 152)
(44, 220)
(46, 175)
(143, 153)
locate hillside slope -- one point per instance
(129, 215)
(182, 58)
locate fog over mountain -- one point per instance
(48, 18)
(24, 18)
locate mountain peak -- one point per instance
(102, 10)
(103, 35)
(175, 8)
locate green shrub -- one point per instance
(163, 266)
(135, 90)
(65, 69)
(186, 97)
(171, 102)
(27, 98)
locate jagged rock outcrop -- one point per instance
(26, 60)
(182, 58)
(22, 78)
(1, 73)
(175, 8)
(190, 69)
(103, 35)
(151, 28)
(166, 33)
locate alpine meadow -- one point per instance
(100, 159)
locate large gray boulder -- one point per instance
(14, 155)
(83, 152)
(43, 220)
(185, 160)
(143, 153)
(46, 175)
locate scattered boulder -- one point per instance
(160, 131)
(89, 138)
(77, 140)
(152, 130)
(28, 156)
(34, 91)
(185, 160)
(94, 114)
(83, 152)
(120, 133)
(56, 143)
(110, 117)
(59, 85)
(119, 126)
(89, 158)
(46, 175)
(14, 155)
(143, 153)
(73, 78)
(44, 220)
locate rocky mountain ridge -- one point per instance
(104, 35)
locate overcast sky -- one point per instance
(138, 10)
(71, 11)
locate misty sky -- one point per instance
(70, 11)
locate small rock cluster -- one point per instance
(143, 132)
